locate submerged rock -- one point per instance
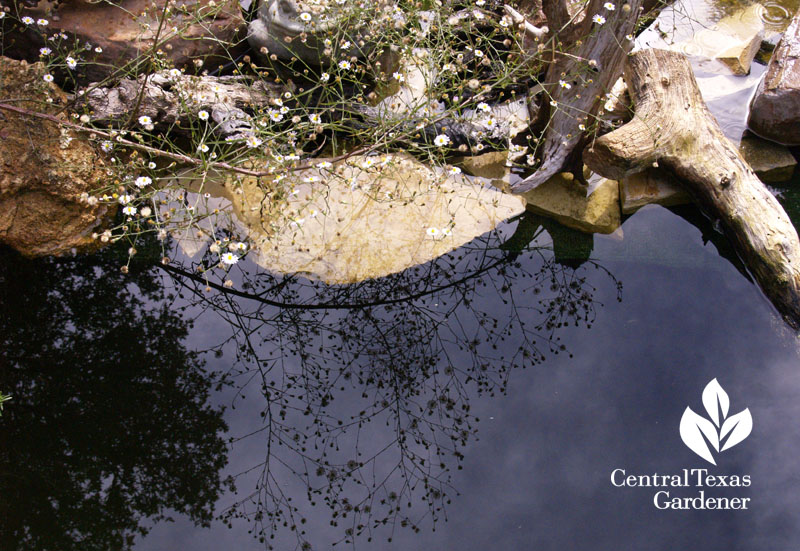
(109, 35)
(774, 112)
(651, 187)
(593, 210)
(364, 218)
(44, 169)
(737, 39)
(770, 161)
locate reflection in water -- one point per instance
(366, 388)
(110, 424)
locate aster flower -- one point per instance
(144, 120)
(203, 115)
(599, 19)
(129, 210)
(229, 258)
(143, 181)
(441, 140)
(252, 142)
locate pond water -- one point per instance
(485, 399)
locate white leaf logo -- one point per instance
(701, 435)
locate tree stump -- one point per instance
(673, 128)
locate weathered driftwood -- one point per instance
(673, 128)
(171, 99)
(588, 59)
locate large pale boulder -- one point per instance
(110, 35)
(774, 112)
(44, 170)
(363, 218)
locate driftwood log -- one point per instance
(588, 58)
(173, 100)
(673, 128)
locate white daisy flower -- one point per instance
(71, 63)
(599, 19)
(229, 258)
(203, 115)
(441, 140)
(482, 106)
(454, 170)
(314, 118)
(143, 181)
(324, 77)
(344, 65)
(43, 51)
(144, 120)
(324, 164)
(125, 199)
(252, 142)
(48, 77)
(98, 50)
(202, 148)
(432, 232)
(399, 77)
(42, 22)
(106, 146)
(130, 210)
(609, 6)
(305, 17)
(564, 84)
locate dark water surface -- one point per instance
(487, 412)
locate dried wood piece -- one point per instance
(171, 98)
(673, 128)
(578, 78)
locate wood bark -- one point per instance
(170, 100)
(673, 128)
(588, 58)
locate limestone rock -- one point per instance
(126, 29)
(490, 165)
(363, 218)
(739, 39)
(44, 169)
(774, 112)
(770, 161)
(592, 210)
(651, 187)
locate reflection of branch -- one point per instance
(368, 386)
